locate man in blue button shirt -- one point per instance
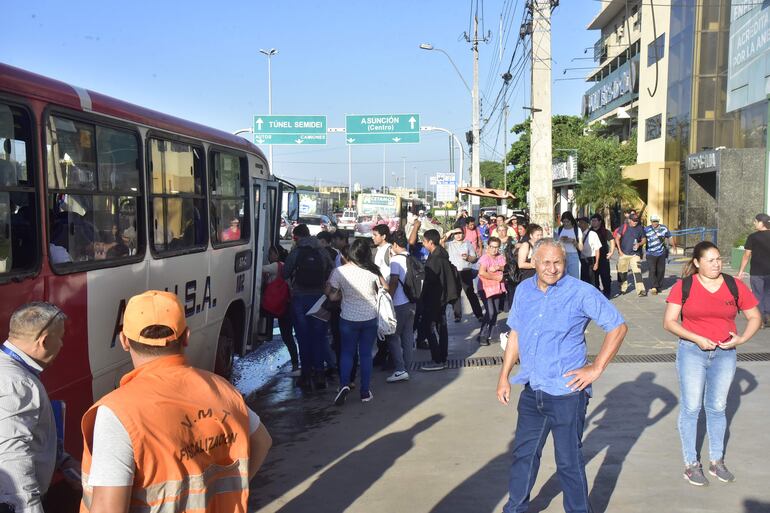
(548, 318)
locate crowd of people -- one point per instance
(392, 292)
(338, 284)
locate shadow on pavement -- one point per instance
(294, 418)
(626, 414)
(743, 383)
(483, 490)
(335, 489)
(755, 506)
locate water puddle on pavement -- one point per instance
(262, 376)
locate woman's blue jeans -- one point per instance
(573, 265)
(358, 336)
(704, 381)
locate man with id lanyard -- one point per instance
(28, 442)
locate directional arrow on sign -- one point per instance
(396, 139)
(259, 140)
(412, 121)
(351, 140)
(298, 141)
(259, 123)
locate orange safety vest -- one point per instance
(189, 430)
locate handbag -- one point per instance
(386, 313)
(275, 296)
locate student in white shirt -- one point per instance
(590, 254)
(572, 237)
(401, 342)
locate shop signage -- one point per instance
(618, 88)
(703, 162)
(749, 53)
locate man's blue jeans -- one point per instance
(564, 416)
(311, 333)
(703, 375)
(360, 337)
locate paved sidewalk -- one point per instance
(441, 442)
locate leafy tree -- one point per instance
(603, 188)
(569, 133)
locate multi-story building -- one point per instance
(628, 94)
(717, 112)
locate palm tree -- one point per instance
(604, 187)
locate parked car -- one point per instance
(317, 223)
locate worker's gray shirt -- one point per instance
(27, 435)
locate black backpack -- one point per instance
(311, 269)
(729, 281)
(415, 276)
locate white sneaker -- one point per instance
(398, 376)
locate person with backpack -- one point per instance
(405, 285)
(572, 237)
(607, 249)
(307, 268)
(441, 287)
(629, 240)
(701, 311)
(462, 255)
(356, 285)
(275, 301)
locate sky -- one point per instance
(200, 61)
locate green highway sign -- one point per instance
(289, 129)
(382, 129)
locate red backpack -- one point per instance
(275, 296)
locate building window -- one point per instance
(652, 126)
(178, 204)
(228, 179)
(656, 49)
(93, 193)
(19, 228)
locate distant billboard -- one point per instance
(748, 70)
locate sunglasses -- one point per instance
(50, 321)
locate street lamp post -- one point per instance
(475, 156)
(269, 53)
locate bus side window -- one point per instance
(94, 188)
(228, 181)
(178, 204)
(18, 210)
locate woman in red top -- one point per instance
(705, 360)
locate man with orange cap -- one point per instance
(172, 436)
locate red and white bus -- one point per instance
(101, 200)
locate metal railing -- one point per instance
(688, 237)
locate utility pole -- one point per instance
(505, 155)
(475, 156)
(541, 157)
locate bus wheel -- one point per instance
(225, 350)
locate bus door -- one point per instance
(261, 325)
(272, 216)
